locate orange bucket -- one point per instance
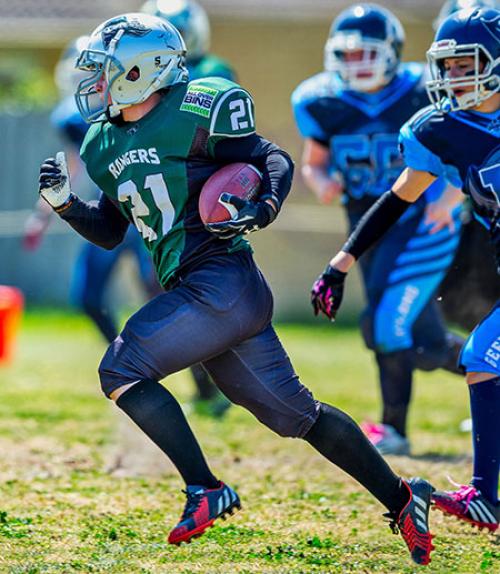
(11, 308)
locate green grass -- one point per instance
(61, 512)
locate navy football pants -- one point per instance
(219, 315)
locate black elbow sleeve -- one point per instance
(278, 176)
(375, 222)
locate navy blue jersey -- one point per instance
(453, 145)
(360, 129)
(68, 121)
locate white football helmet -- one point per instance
(128, 58)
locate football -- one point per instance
(240, 179)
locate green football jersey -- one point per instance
(153, 169)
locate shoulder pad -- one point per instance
(232, 114)
(425, 119)
(201, 95)
(413, 70)
(322, 85)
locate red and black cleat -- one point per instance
(468, 504)
(203, 507)
(413, 521)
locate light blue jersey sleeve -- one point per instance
(418, 157)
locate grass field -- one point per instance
(60, 511)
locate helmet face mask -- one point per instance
(461, 92)
(128, 58)
(483, 80)
(366, 72)
(92, 102)
(364, 47)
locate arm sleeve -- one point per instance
(375, 222)
(275, 164)
(100, 222)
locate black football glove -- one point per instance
(327, 292)
(250, 216)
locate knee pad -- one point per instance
(109, 382)
(114, 371)
(289, 424)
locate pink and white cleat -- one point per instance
(468, 504)
(386, 439)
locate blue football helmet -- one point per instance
(66, 75)
(452, 6)
(189, 18)
(376, 34)
(468, 33)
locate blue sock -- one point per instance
(485, 412)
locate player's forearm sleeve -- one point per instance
(99, 222)
(275, 164)
(375, 222)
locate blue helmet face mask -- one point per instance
(471, 34)
(376, 36)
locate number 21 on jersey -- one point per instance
(139, 208)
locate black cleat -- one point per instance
(203, 507)
(413, 521)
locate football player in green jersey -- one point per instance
(155, 140)
(192, 22)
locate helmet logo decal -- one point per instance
(132, 26)
(490, 178)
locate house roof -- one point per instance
(51, 23)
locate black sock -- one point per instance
(206, 387)
(338, 438)
(155, 411)
(396, 373)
